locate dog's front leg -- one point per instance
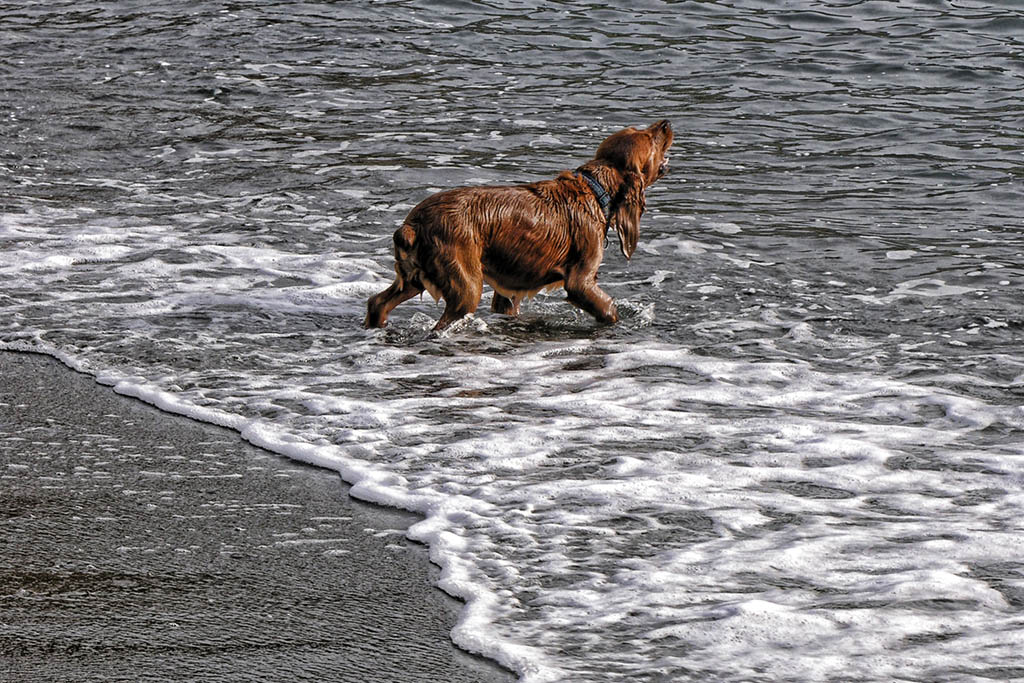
(583, 292)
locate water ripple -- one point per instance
(807, 425)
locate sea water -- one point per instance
(800, 454)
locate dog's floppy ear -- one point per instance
(629, 207)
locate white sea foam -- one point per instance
(921, 287)
(702, 505)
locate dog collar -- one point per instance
(603, 198)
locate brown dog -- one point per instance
(524, 238)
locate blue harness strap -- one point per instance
(603, 198)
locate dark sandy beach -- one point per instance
(141, 546)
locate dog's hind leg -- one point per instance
(504, 305)
(380, 305)
(461, 291)
(407, 282)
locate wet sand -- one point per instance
(143, 546)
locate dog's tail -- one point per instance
(405, 239)
(408, 268)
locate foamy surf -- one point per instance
(796, 457)
(744, 552)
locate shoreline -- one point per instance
(141, 544)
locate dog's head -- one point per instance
(644, 152)
(641, 157)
